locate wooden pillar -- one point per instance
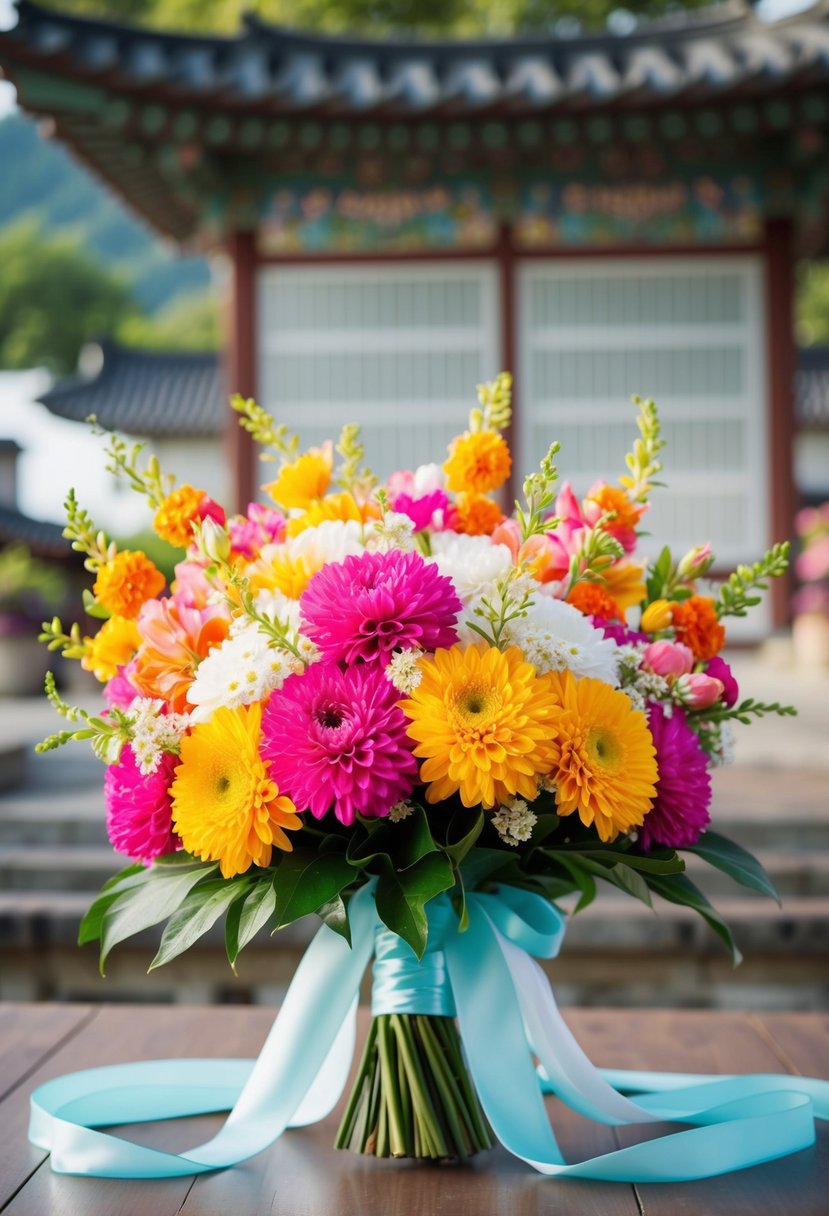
(240, 364)
(781, 366)
(509, 350)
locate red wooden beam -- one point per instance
(781, 363)
(507, 319)
(240, 363)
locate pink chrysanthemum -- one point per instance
(370, 605)
(337, 739)
(139, 816)
(679, 814)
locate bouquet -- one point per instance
(399, 693)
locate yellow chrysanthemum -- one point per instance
(114, 644)
(334, 506)
(479, 461)
(226, 808)
(304, 480)
(482, 722)
(172, 521)
(605, 765)
(124, 584)
(475, 515)
(624, 582)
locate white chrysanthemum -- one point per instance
(244, 669)
(473, 563)
(403, 670)
(555, 636)
(393, 531)
(153, 732)
(401, 810)
(428, 478)
(331, 541)
(514, 821)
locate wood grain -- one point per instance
(303, 1176)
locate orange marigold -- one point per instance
(125, 583)
(696, 625)
(593, 600)
(479, 461)
(475, 514)
(173, 519)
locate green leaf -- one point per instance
(401, 895)
(234, 913)
(678, 889)
(634, 861)
(335, 915)
(153, 901)
(305, 880)
(256, 910)
(400, 844)
(91, 607)
(482, 864)
(631, 882)
(735, 861)
(198, 913)
(177, 861)
(583, 881)
(89, 929)
(464, 829)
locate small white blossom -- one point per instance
(401, 810)
(514, 821)
(244, 669)
(555, 636)
(393, 531)
(403, 670)
(153, 732)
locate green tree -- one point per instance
(188, 322)
(53, 298)
(469, 17)
(812, 309)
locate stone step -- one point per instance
(794, 872)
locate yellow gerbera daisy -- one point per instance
(482, 721)
(605, 764)
(304, 480)
(226, 808)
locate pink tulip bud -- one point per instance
(669, 658)
(695, 563)
(698, 691)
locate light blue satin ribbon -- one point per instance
(503, 1005)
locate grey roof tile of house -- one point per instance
(45, 539)
(155, 394)
(716, 50)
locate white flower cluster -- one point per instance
(555, 636)
(245, 668)
(401, 810)
(514, 821)
(393, 531)
(638, 683)
(152, 732)
(403, 670)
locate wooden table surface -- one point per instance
(302, 1175)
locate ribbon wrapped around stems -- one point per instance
(488, 977)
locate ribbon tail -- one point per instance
(311, 1035)
(741, 1124)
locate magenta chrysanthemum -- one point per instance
(337, 739)
(679, 814)
(139, 817)
(370, 605)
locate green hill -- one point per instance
(39, 179)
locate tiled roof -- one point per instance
(812, 387)
(43, 538)
(156, 394)
(695, 54)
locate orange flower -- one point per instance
(593, 600)
(475, 514)
(175, 515)
(626, 514)
(479, 461)
(696, 625)
(624, 583)
(304, 480)
(125, 583)
(175, 640)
